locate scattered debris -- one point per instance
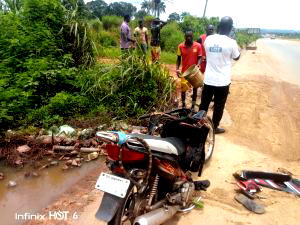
(23, 149)
(65, 167)
(67, 130)
(54, 163)
(1, 176)
(92, 156)
(31, 174)
(12, 183)
(284, 171)
(86, 134)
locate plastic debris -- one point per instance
(23, 149)
(67, 130)
(92, 156)
(86, 133)
(12, 183)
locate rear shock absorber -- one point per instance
(153, 190)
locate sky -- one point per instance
(270, 14)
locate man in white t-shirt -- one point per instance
(220, 50)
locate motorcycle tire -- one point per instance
(210, 141)
(117, 219)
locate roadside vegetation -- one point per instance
(50, 70)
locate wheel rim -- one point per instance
(127, 212)
(210, 141)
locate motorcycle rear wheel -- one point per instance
(124, 215)
(210, 140)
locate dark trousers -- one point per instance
(194, 98)
(220, 96)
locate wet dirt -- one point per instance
(34, 193)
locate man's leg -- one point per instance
(220, 98)
(206, 96)
(194, 98)
(183, 99)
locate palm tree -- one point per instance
(147, 6)
(154, 6)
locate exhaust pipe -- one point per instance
(157, 216)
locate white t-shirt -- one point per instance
(220, 49)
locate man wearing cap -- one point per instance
(220, 50)
(189, 52)
(156, 26)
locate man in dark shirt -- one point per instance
(156, 26)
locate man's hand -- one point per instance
(178, 73)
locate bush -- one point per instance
(130, 87)
(171, 37)
(110, 22)
(107, 39)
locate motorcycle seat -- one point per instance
(169, 145)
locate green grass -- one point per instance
(168, 57)
(112, 52)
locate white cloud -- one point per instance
(245, 13)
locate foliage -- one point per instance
(107, 39)
(244, 39)
(170, 39)
(168, 57)
(110, 22)
(120, 9)
(174, 17)
(196, 24)
(150, 7)
(129, 88)
(97, 8)
(141, 14)
(39, 48)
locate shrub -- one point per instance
(107, 39)
(130, 87)
(110, 22)
(171, 37)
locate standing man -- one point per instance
(189, 52)
(141, 35)
(125, 40)
(220, 49)
(209, 31)
(156, 26)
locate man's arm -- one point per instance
(236, 59)
(236, 52)
(199, 60)
(178, 65)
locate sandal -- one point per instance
(249, 204)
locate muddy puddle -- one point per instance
(34, 193)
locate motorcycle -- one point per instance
(150, 178)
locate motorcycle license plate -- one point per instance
(111, 184)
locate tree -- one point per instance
(11, 5)
(147, 6)
(154, 6)
(78, 6)
(174, 17)
(120, 9)
(97, 8)
(141, 14)
(184, 14)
